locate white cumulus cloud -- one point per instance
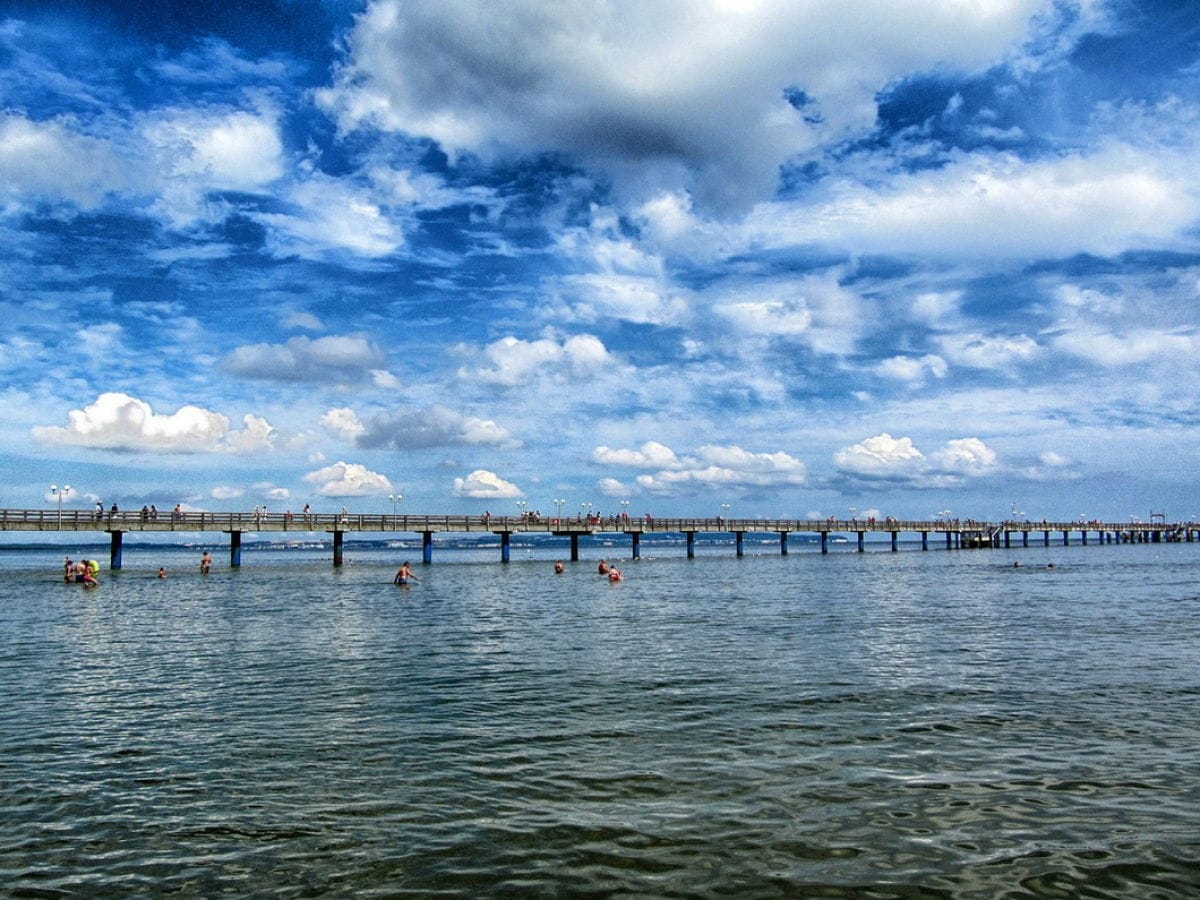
(343, 479)
(651, 455)
(881, 456)
(709, 467)
(116, 421)
(484, 485)
(513, 361)
(343, 423)
(885, 458)
(912, 369)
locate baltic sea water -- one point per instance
(908, 725)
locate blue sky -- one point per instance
(790, 257)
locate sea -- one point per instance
(1000, 723)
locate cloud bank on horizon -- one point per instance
(789, 257)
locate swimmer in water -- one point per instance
(404, 575)
(559, 568)
(162, 573)
(614, 574)
(603, 568)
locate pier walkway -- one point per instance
(956, 534)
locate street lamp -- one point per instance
(395, 498)
(521, 507)
(585, 510)
(854, 514)
(724, 510)
(60, 494)
(558, 502)
(624, 509)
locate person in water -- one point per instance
(205, 563)
(404, 575)
(614, 574)
(603, 567)
(559, 568)
(162, 573)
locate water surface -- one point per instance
(913, 724)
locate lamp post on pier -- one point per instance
(624, 510)
(395, 498)
(60, 494)
(558, 503)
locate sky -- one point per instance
(688, 257)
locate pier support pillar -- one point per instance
(691, 544)
(895, 541)
(235, 549)
(824, 541)
(1085, 537)
(114, 550)
(635, 538)
(1066, 538)
(505, 546)
(924, 540)
(574, 548)
(949, 541)
(783, 536)
(427, 547)
(862, 542)
(1007, 539)
(1045, 538)
(738, 537)
(1024, 538)
(338, 537)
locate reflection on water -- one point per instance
(885, 725)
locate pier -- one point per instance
(953, 534)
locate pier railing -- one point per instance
(134, 521)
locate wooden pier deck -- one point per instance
(957, 534)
